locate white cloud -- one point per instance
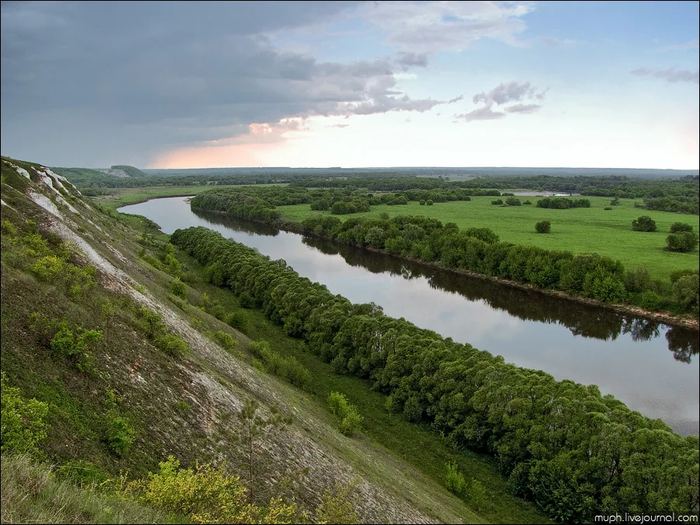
(438, 26)
(669, 75)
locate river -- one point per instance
(650, 367)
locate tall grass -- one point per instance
(32, 493)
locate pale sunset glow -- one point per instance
(352, 84)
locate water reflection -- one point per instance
(582, 320)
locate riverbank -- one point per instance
(667, 318)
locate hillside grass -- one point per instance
(154, 392)
(579, 230)
(32, 493)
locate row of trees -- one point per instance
(561, 444)
(480, 250)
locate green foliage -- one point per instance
(677, 227)
(543, 227)
(23, 425)
(683, 241)
(513, 201)
(336, 506)
(348, 417)
(561, 203)
(429, 202)
(172, 345)
(454, 480)
(287, 367)
(226, 340)
(72, 342)
(497, 202)
(239, 320)
(154, 262)
(119, 433)
(82, 472)
(178, 288)
(685, 292)
(33, 493)
(644, 223)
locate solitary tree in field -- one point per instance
(644, 224)
(543, 227)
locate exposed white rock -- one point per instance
(19, 170)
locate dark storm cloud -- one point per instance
(86, 82)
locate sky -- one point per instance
(351, 84)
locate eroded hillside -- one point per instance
(184, 401)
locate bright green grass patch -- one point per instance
(579, 230)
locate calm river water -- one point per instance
(647, 365)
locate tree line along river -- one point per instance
(649, 366)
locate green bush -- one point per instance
(644, 224)
(513, 201)
(178, 288)
(497, 202)
(347, 415)
(685, 292)
(454, 480)
(677, 227)
(429, 202)
(172, 345)
(239, 320)
(119, 434)
(683, 241)
(225, 340)
(543, 227)
(23, 425)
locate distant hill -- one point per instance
(129, 171)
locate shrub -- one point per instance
(513, 201)
(497, 202)
(685, 292)
(239, 320)
(650, 300)
(429, 202)
(527, 203)
(225, 340)
(677, 227)
(543, 227)
(421, 202)
(172, 345)
(607, 208)
(644, 224)
(454, 480)
(206, 495)
(347, 415)
(119, 434)
(683, 241)
(23, 425)
(178, 288)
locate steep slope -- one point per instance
(185, 403)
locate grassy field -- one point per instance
(579, 230)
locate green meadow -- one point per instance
(579, 230)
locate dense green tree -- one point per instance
(644, 224)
